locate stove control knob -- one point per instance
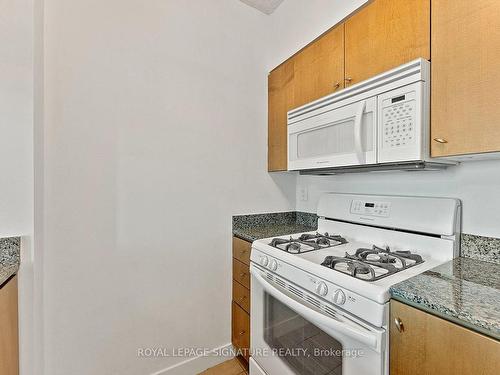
(273, 265)
(264, 260)
(339, 297)
(321, 289)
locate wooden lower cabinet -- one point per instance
(428, 345)
(9, 338)
(240, 319)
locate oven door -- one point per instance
(342, 136)
(293, 332)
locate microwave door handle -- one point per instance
(358, 121)
(328, 324)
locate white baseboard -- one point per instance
(193, 366)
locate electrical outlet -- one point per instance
(303, 196)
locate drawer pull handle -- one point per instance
(243, 274)
(242, 299)
(336, 85)
(399, 325)
(348, 79)
(440, 140)
(242, 333)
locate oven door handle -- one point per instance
(358, 144)
(331, 326)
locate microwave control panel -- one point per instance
(378, 209)
(399, 120)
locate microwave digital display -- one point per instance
(398, 99)
(369, 204)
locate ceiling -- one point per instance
(265, 6)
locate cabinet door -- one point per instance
(428, 345)
(9, 340)
(465, 115)
(240, 330)
(319, 68)
(385, 34)
(280, 100)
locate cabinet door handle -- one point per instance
(243, 274)
(336, 85)
(348, 79)
(399, 324)
(242, 299)
(242, 333)
(440, 140)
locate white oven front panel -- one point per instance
(292, 332)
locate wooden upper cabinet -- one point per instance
(465, 91)
(280, 100)
(428, 345)
(319, 68)
(385, 34)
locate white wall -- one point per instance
(16, 156)
(476, 183)
(16, 118)
(155, 134)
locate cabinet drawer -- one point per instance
(241, 250)
(241, 330)
(241, 273)
(241, 296)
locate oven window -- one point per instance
(305, 348)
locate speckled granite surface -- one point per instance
(480, 248)
(9, 257)
(465, 291)
(254, 227)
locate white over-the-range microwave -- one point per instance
(380, 123)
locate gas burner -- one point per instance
(293, 247)
(307, 242)
(322, 238)
(373, 264)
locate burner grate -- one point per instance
(307, 242)
(373, 264)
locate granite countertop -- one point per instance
(254, 227)
(465, 291)
(9, 257)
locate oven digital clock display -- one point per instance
(377, 209)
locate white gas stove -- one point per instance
(335, 281)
